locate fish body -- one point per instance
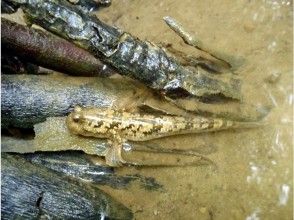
(107, 123)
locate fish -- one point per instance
(119, 126)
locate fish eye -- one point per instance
(76, 117)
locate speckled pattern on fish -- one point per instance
(108, 123)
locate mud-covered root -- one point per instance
(90, 5)
(140, 60)
(33, 192)
(91, 169)
(192, 41)
(49, 51)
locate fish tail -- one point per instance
(215, 124)
(241, 124)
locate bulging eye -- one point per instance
(76, 117)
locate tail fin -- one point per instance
(241, 124)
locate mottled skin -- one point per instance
(104, 123)
(119, 126)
